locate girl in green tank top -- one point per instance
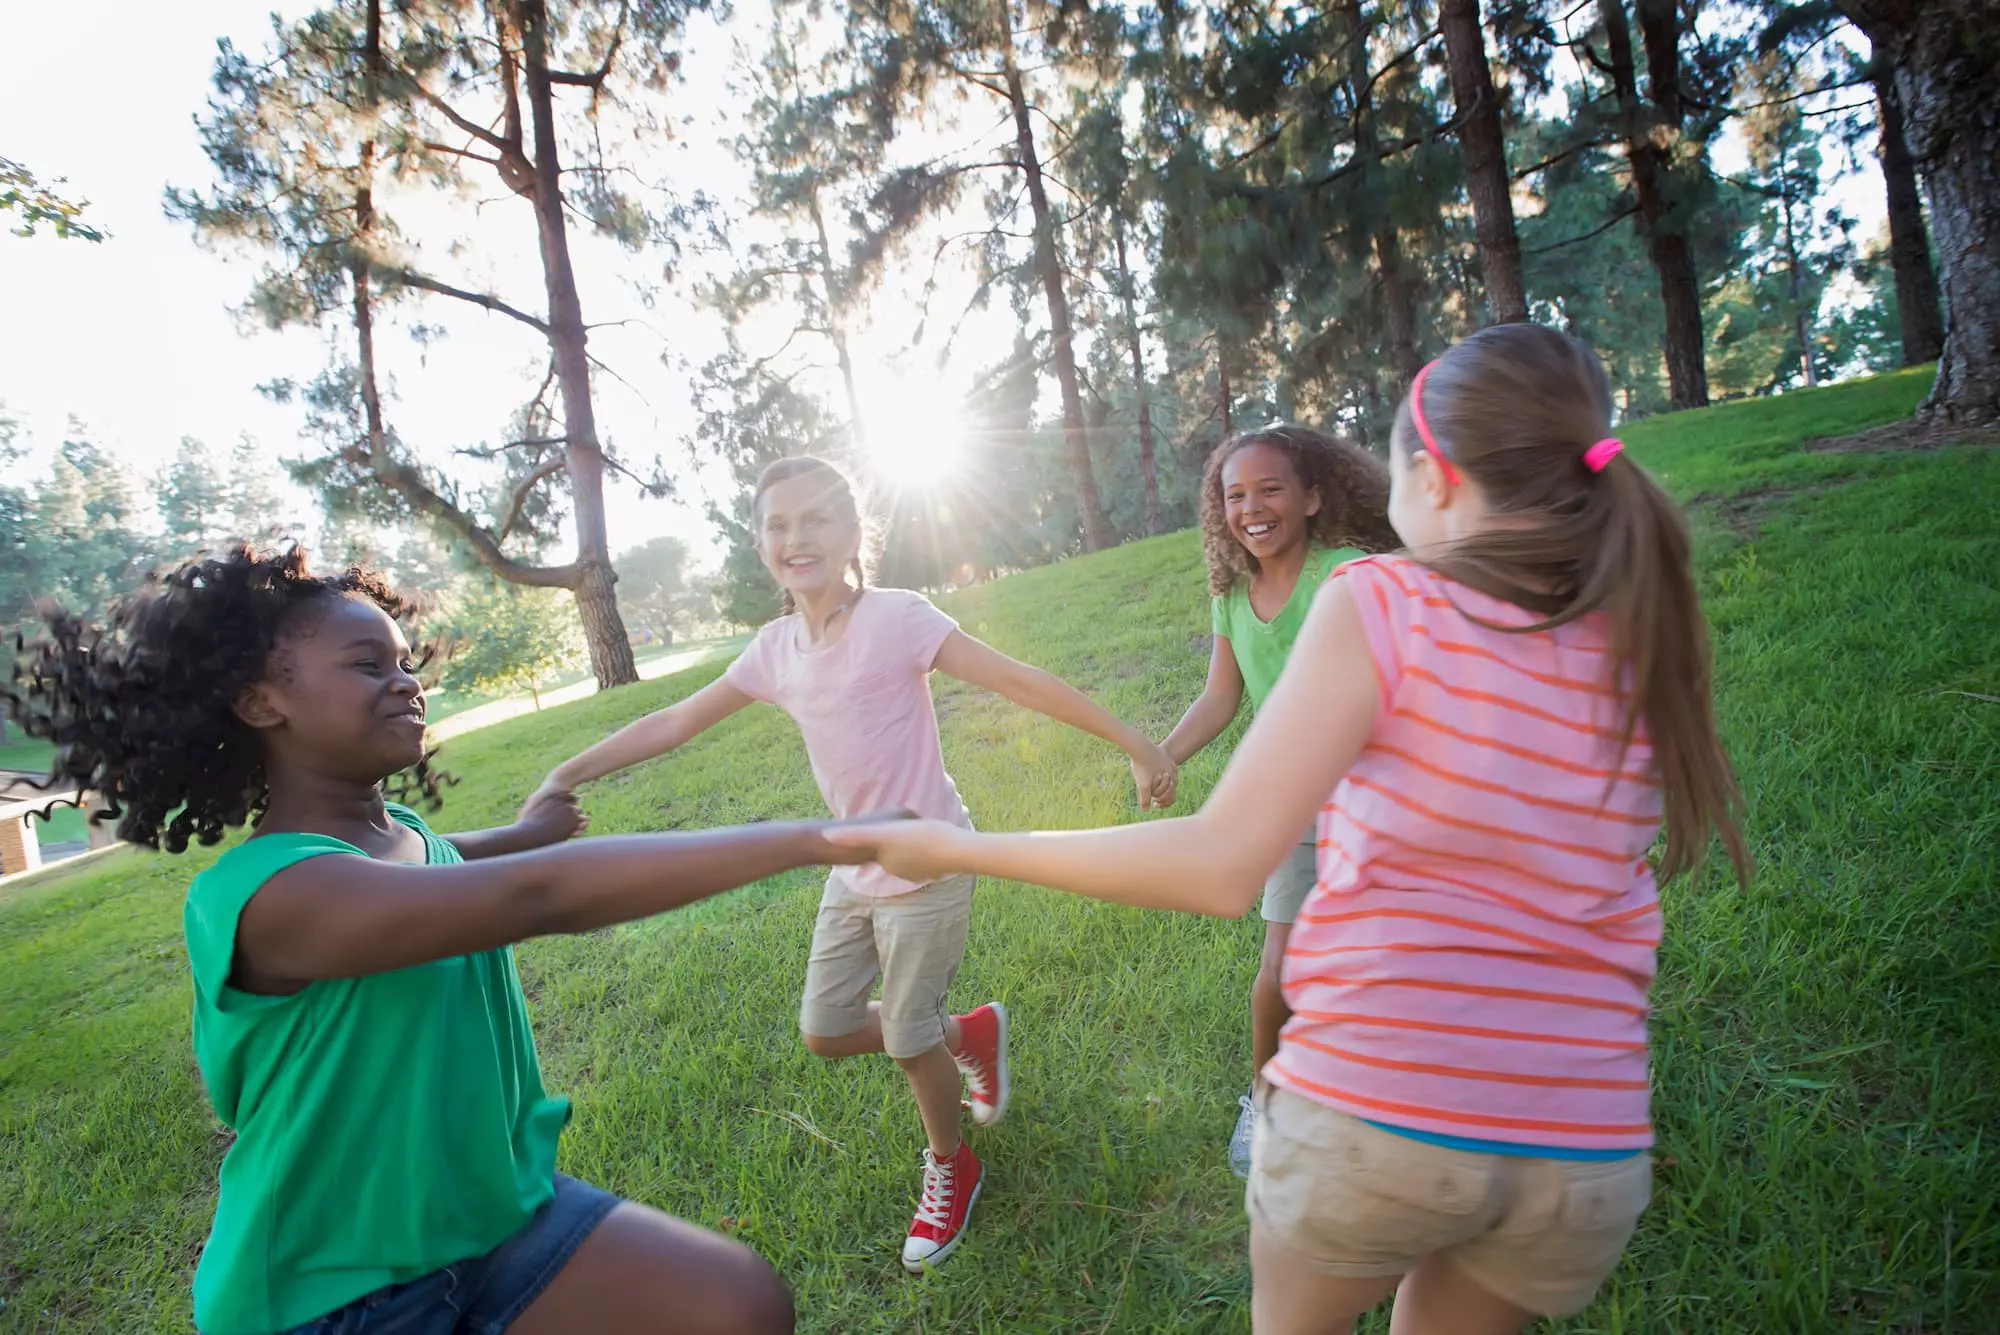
(353, 971)
(1281, 507)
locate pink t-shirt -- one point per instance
(1475, 958)
(864, 706)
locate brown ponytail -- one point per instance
(837, 485)
(1515, 408)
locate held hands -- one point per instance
(552, 814)
(916, 850)
(1155, 776)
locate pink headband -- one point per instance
(1594, 458)
(1424, 427)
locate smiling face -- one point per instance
(1268, 509)
(341, 697)
(807, 533)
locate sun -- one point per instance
(914, 433)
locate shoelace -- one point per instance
(975, 1076)
(940, 1182)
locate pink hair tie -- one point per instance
(1602, 453)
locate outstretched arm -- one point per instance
(344, 916)
(1213, 710)
(977, 663)
(654, 735)
(548, 818)
(1305, 738)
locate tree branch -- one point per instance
(408, 483)
(524, 490)
(411, 278)
(1570, 152)
(595, 79)
(472, 128)
(1610, 223)
(436, 147)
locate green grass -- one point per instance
(1828, 1042)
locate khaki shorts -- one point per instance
(1285, 893)
(913, 941)
(1353, 1200)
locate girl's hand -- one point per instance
(916, 850)
(552, 815)
(1154, 776)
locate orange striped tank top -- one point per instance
(1475, 958)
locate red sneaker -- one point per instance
(982, 1060)
(950, 1187)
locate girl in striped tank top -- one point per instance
(1495, 729)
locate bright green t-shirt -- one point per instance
(1262, 646)
(385, 1126)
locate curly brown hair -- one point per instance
(1353, 487)
(141, 710)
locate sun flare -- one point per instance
(915, 433)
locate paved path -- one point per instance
(488, 714)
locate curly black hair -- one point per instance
(141, 709)
(1353, 487)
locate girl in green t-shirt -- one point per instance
(358, 1021)
(1280, 508)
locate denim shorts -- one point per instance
(485, 1295)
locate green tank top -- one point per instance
(1261, 647)
(385, 1126)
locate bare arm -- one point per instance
(977, 663)
(342, 916)
(654, 735)
(1213, 710)
(548, 818)
(1305, 738)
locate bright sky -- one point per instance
(137, 336)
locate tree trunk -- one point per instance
(535, 690)
(1909, 239)
(1802, 319)
(604, 631)
(1398, 292)
(1222, 386)
(1048, 265)
(1664, 234)
(1483, 147)
(836, 299)
(1947, 76)
(1141, 391)
(1399, 302)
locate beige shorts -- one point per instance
(913, 941)
(1353, 1200)
(1286, 890)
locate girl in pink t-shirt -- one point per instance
(1494, 729)
(852, 666)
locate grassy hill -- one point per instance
(1828, 1042)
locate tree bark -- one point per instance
(1484, 149)
(604, 630)
(1947, 78)
(1909, 238)
(836, 299)
(1222, 386)
(1664, 233)
(1048, 265)
(1398, 291)
(1141, 390)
